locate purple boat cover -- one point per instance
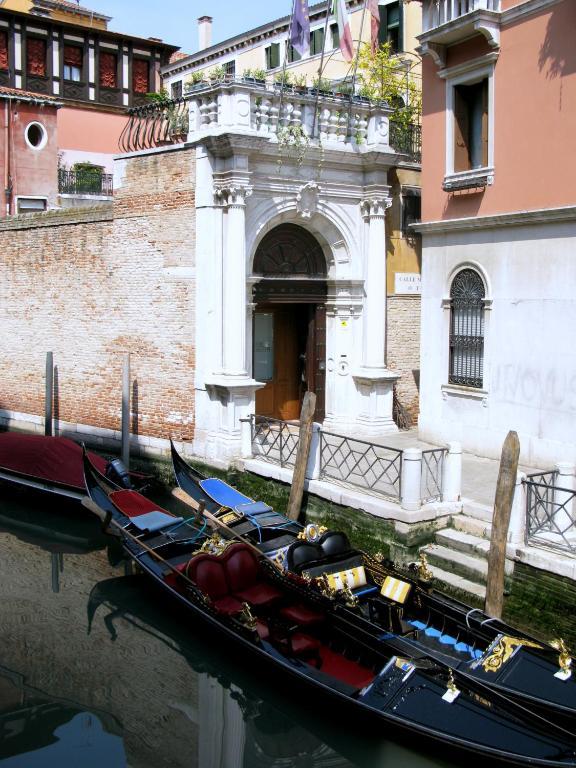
(55, 459)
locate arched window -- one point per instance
(467, 329)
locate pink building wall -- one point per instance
(33, 171)
(534, 114)
(90, 130)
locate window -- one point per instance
(293, 54)
(36, 57)
(176, 90)
(4, 50)
(316, 41)
(411, 210)
(273, 56)
(467, 329)
(334, 36)
(263, 362)
(140, 76)
(391, 26)
(230, 69)
(73, 63)
(471, 126)
(35, 135)
(108, 70)
(30, 204)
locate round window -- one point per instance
(36, 135)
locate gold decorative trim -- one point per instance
(501, 651)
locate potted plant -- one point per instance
(217, 74)
(293, 140)
(195, 81)
(322, 85)
(300, 83)
(284, 80)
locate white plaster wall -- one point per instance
(530, 351)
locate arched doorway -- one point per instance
(289, 349)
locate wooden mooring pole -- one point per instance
(49, 394)
(500, 523)
(126, 411)
(297, 488)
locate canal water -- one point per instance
(98, 670)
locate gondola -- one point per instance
(380, 598)
(286, 630)
(54, 464)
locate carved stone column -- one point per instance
(374, 381)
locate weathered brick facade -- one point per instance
(93, 285)
(403, 349)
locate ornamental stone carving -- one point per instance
(375, 206)
(232, 196)
(307, 199)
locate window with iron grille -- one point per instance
(230, 68)
(411, 210)
(272, 56)
(176, 89)
(467, 329)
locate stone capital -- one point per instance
(374, 207)
(232, 195)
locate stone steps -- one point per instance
(458, 583)
(472, 525)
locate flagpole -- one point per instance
(321, 67)
(282, 83)
(354, 73)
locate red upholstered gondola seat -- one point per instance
(301, 615)
(210, 576)
(245, 579)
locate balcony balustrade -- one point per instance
(261, 110)
(438, 12)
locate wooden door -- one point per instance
(277, 361)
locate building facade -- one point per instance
(62, 51)
(499, 226)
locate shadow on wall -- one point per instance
(465, 202)
(557, 55)
(134, 407)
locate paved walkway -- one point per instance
(479, 475)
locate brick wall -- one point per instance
(403, 349)
(93, 285)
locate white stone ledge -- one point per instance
(517, 218)
(543, 559)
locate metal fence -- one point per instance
(407, 139)
(431, 477)
(550, 512)
(361, 464)
(274, 440)
(85, 182)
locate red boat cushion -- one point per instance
(209, 575)
(301, 615)
(133, 504)
(56, 459)
(242, 567)
(259, 594)
(304, 645)
(228, 605)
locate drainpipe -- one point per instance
(7, 155)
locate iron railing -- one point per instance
(431, 477)
(155, 124)
(274, 440)
(550, 512)
(84, 182)
(364, 465)
(407, 139)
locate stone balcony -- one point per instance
(446, 22)
(258, 110)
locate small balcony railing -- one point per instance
(407, 140)
(438, 12)
(84, 183)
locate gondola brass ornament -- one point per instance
(215, 545)
(564, 659)
(424, 572)
(325, 587)
(452, 692)
(350, 598)
(247, 618)
(502, 649)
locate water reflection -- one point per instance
(118, 670)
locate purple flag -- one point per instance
(300, 27)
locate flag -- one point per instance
(341, 13)
(374, 9)
(300, 27)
